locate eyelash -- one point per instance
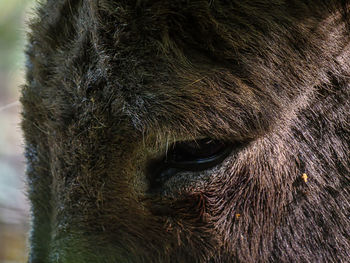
(183, 156)
(197, 155)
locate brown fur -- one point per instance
(111, 84)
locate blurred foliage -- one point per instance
(14, 218)
(12, 32)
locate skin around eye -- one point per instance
(190, 156)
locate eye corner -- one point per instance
(189, 156)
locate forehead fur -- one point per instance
(223, 68)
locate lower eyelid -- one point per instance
(161, 170)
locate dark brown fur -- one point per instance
(110, 84)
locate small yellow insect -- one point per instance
(238, 216)
(304, 177)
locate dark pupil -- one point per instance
(196, 155)
(194, 150)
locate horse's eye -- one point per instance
(197, 155)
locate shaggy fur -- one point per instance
(111, 84)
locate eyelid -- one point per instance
(200, 164)
(163, 169)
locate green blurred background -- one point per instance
(14, 208)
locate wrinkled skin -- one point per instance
(111, 84)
